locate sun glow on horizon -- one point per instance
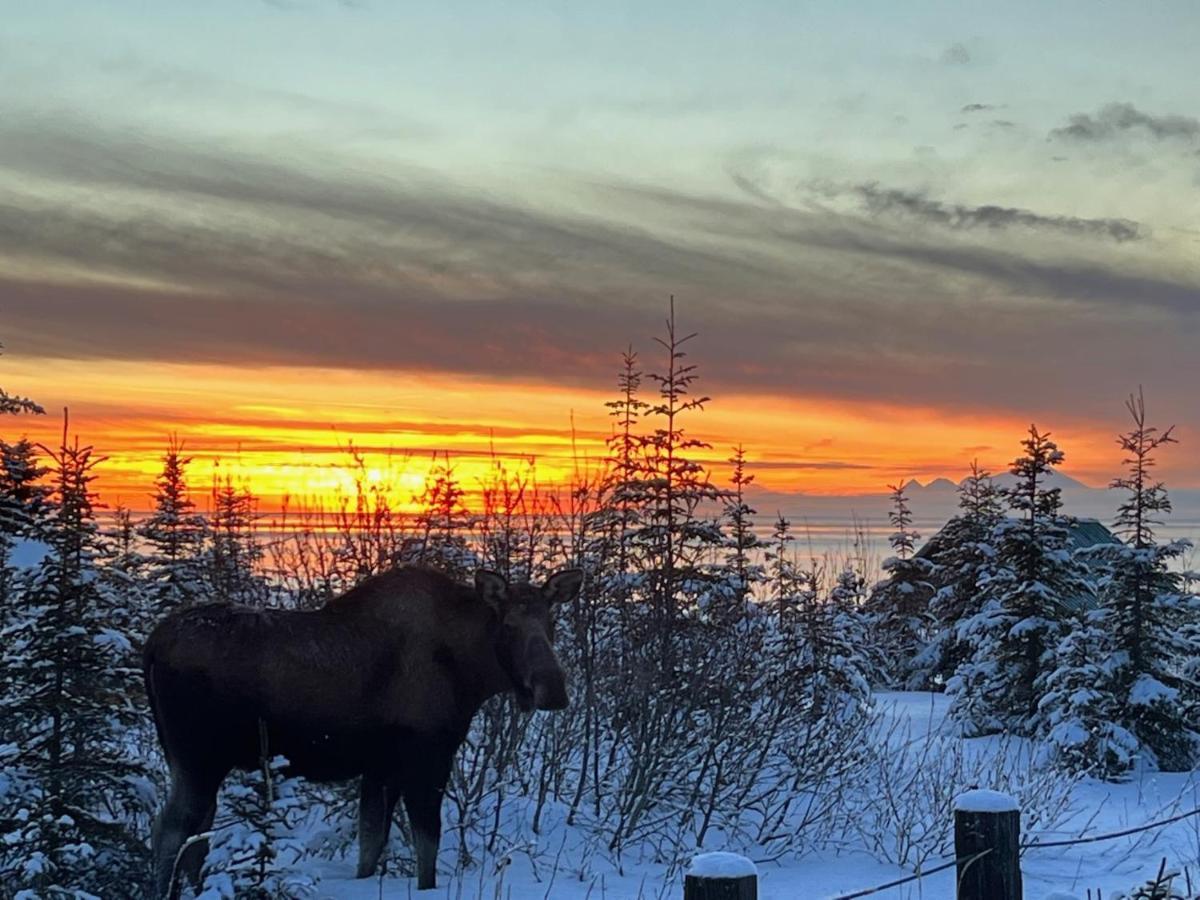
(293, 435)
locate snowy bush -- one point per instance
(259, 853)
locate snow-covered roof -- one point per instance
(1082, 534)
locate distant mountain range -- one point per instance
(935, 502)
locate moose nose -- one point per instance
(550, 692)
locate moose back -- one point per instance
(382, 682)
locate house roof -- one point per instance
(1081, 535)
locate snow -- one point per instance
(1148, 690)
(721, 865)
(26, 553)
(985, 801)
(559, 863)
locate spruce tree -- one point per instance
(23, 505)
(259, 854)
(22, 499)
(899, 605)
(443, 523)
(1148, 609)
(1082, 714)
(676, 530)
(960, 552)
(176, 535)
(625, 456)
(785, 581)
(75, 811)
(741, 541)
(234, 552)
(1024, 592)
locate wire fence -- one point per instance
(1034, 844)
(920, 873)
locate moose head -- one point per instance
(525, 638)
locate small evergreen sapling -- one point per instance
(899, 605)
(741, 541)
(259, 853)
(176, 536)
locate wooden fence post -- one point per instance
(987, 843)
(721, 876)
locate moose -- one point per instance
(381, 683)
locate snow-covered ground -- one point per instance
(560, 868)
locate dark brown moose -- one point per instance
(382, 682)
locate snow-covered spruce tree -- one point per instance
(1023, 594)
(849, 590)
(1149, 614)
(817, 643)
(677, 529)
(899, 605)
(960, 552)
(1081, 714)
(788, 588)
(674, 709)
(176, 536)
(75, 802)
(22, 499)
(23, 504)
(259, 853)
(846, 607)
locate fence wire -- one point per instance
(1029, 845)
(920, 873)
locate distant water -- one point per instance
(831, 542)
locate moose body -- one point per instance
(382, 682)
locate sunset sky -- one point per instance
(902, 231)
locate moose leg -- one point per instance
(376, 802)
(191, 861)
(188, 805)
(424, 786)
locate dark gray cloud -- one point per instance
(879, 200)
(205, 254)
(978, 107)
(1116, 119)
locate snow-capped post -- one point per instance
(987, 843)
(721, 876)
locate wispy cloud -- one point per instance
(879, 200)
(1115, 119)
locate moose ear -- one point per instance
(563, 587)
(491, 588)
